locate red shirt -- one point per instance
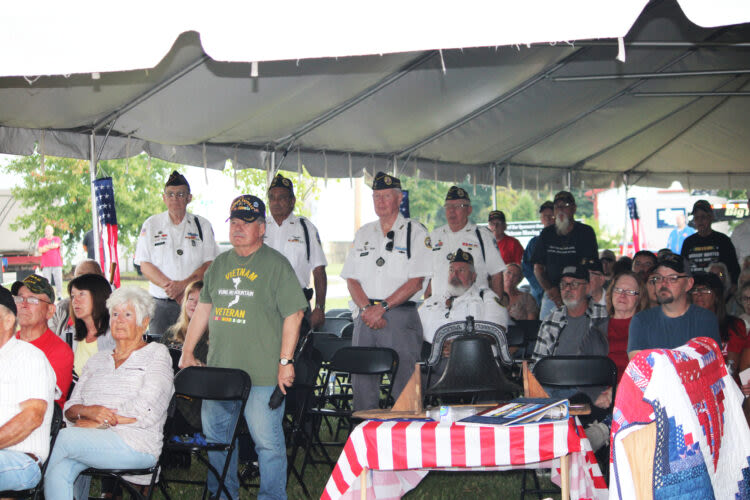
(617, 336)
(510, 249)
(51, 258)
(60, 356)
(736, 336)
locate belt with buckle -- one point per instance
(408, 303)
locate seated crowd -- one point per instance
(95, 341)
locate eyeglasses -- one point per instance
(389, 245)
(671, 279)
(622, 291)
(701, 291)
(29, 300)
(457, 206)
(179, 195)
(573, 285)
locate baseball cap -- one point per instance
(704, 206)
(247, 207)
(6, 299)
(607, 255)
(672, 261)
(35, 284)
(496, 214)
(578, 272)
(593, 264)
(565, 196)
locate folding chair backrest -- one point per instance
(328, 344)
(515, 336)
(213, 383)
(576, 371)
(530, 329)
(334, 325)
(365, 360)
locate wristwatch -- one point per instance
(384, 304)
(286, 361)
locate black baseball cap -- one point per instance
(6, 299)
(248, 208)
(703, 206)
(672, 261)
(578, 272)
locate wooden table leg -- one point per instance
(363, 484)
(565, 477)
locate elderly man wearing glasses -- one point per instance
(174, 249)
(35, 301)
(676, 320)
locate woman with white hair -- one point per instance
(117, 411)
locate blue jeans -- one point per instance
(77, 449)
(18, 471)
(267, 433)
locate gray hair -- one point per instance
(137, 297)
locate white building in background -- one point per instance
(657, 209)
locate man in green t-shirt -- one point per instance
(252, 304)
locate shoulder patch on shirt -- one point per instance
(428, 242)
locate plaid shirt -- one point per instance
(550, 329)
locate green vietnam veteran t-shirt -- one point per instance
(250, 297)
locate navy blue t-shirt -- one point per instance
(652, 329)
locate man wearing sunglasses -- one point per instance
(675, 321)
(384, 271)
(174, 249)
(35, 302)
(461, 233)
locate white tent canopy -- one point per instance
(341, 91)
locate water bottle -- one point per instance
(331, 389)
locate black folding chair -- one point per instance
(38, 490)
(380, 361)
(339, 313)
(334, 325)
(530, 329)
(566, 372)
(217, 384)
(299, 399)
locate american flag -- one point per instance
(105, 208)
(635, 222)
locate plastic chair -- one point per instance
(218, 384)
(530, 329)
(36, 491)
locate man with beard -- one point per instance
(566, 243)
(578, 328)
(463, 297)
(676, 320)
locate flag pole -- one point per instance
(94, 214)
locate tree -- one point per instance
(253, 181)
(60, 195)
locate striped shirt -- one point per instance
(141, 388)
(26, 374)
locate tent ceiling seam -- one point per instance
(490, 105)
(679, 134)
(370, 91)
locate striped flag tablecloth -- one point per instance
(399, 452)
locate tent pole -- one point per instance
(494, 187)
(94, 215)
(625, 224)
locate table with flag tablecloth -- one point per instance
(397, 454)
